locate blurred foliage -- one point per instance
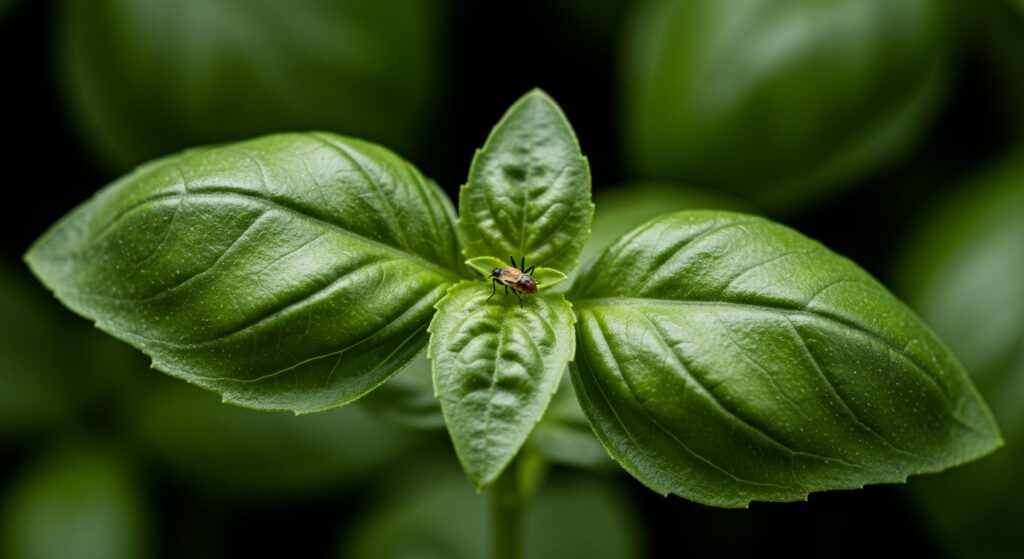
(149, 77)
(407, 399)
(33, 394)
(999, 31)
(434, 513)
(621, 208)
(248, 455)
(79, 503)
(963, 274)
(779, 100)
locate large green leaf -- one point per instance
(79, 503)
(149, 77)
(528, 192)
(726, 359)
(780, 100)
(963, 274)
(291, 272)
(496, 366)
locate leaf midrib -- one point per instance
(281, 205)
(634, 301)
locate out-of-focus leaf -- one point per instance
(963, 273)
(622, 208)
(564, 435)
(999, 32)
(726, 359)
(440, 517)
(779, 100)
(76, 504)
(407, 399)
(290, 272)
(496, 365)
(32, 392)
(149, 77)
(253, 455)
(528, 192)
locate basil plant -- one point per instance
(718, 356)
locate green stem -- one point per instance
(510, 495)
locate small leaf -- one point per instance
(496, 366)
(291, 272)
(545, 277)
(528, 192)
(727, 359)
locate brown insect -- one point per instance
(517, 278)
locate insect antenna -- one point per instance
(529, 271)
(513, 259)
(522, 264)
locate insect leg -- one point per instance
(494, 288)
(518, 297)
(530, 271)
(513, 259)
(506, 291)
(522, 264)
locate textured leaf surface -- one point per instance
(289, 272)
(726, 359)
(496, 366)
(528, 192)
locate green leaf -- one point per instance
(962, 273)
(728, 359)
(79, 503)
(496, 366)
(545, 277)
(146, 77)
(528, 192)
(782, 101)
(291, 272)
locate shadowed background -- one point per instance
(888, 129)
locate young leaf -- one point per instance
(528, 192)
(727, 359)
(496, 366)
(291, 272)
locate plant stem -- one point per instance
(510, 495)
(507, 504)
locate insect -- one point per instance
(517, 278)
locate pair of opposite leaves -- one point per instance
(718, 356)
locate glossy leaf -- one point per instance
(76, 504)
(962, 273)
(148, 77)
(779, 100)
(545, 277)
(496, 366)
(291, 272)
(728, 359)
(528, 192)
